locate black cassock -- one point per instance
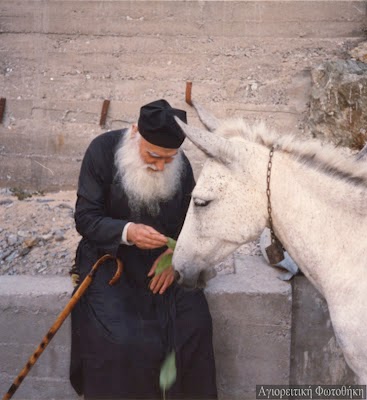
(121, 334)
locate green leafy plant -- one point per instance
(171, 243)
(22, 194)
(168, 373)
(166, 260)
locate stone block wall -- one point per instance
(266, 331)
(59, 59)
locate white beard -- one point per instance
(145, 189)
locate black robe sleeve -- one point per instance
(90, 211)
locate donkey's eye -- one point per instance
(201, 202)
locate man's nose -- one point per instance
(160, 164)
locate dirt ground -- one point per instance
(37, 233)
(38, 236)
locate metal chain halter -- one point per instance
(275, 250)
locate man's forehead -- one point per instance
(157, 151)
(156, 155)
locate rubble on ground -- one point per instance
(38, 236)
(37, 233)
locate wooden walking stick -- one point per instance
(60, 319)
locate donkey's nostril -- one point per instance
(178, 277)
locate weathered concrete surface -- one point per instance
(252, 316)
(316, 356)
(60, 59)
(29, 306)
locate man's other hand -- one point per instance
(145, 237)
(162, 281)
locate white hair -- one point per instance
(145, 189)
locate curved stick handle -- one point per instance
(100, 261)
(118, 272)
(61, 318)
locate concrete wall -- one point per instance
(265, 332)
(316, 356)
(252, 318)
(29, 306)
(59, 59)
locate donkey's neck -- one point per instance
(319, 219)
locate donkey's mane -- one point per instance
(321, 156)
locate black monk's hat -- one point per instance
(157, 124)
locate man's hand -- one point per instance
(162, 281)
(145, 237)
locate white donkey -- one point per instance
(319, 213)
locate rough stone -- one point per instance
(24, 251)
(338, 110)
(12, 239)
(5, 202)
(45, 200)
(5, 253)
(31, 242)
(12, 256)
(59, 237)
(67, 206)
(47, 237)
(360, 52)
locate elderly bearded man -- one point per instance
(134, 190)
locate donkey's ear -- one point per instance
(216, 146)
(208, 120)
(362, 155)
